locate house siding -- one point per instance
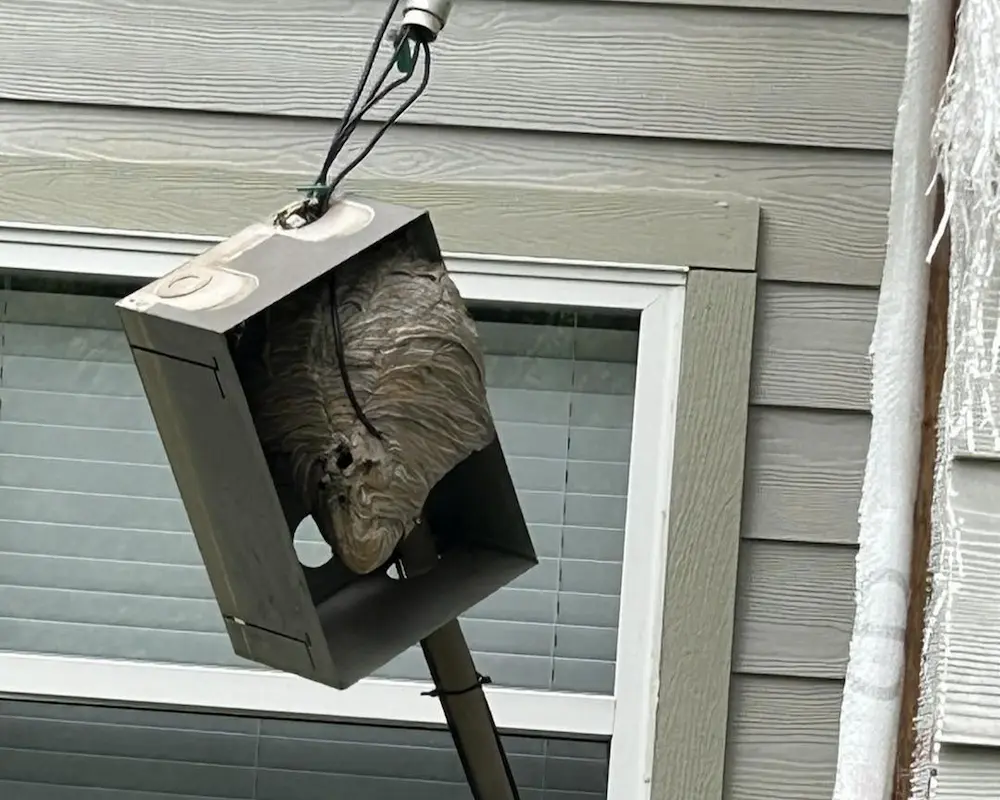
(960, 705)
(194, 117)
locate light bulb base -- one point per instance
(427, 16)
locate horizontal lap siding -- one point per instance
(807, 443)
(967, 773)
(787, 102)
(782, 738)
(796, 609)
(823, 212)
(811, 347)
(633, 69)
(804, 472)
(969, 637)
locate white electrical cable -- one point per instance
(870, 709)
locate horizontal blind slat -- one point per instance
(144, 446)
(60, 441)
(75, 474)
(90, 409)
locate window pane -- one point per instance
(76, 752)
(96, 556)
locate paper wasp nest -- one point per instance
(414, 363)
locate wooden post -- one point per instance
(935, 355)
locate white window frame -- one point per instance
(627, 717)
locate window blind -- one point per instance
(73, 752)
(97, 558)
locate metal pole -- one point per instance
(459, 687)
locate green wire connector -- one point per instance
(404, 59)
(315, 189)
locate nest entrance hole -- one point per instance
(344, 457)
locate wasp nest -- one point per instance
(413, 358)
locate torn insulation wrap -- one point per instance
(967, 144)
(413, 360)
(967, 139)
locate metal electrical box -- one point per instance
(324, 623)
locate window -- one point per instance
(102, 593)
(54, 750)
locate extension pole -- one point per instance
(458, 685)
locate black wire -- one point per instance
(348, 126)
(366, 73)
(374, 98)
(377, 94)
(334, 312)
(338, 346)
(426, 51)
